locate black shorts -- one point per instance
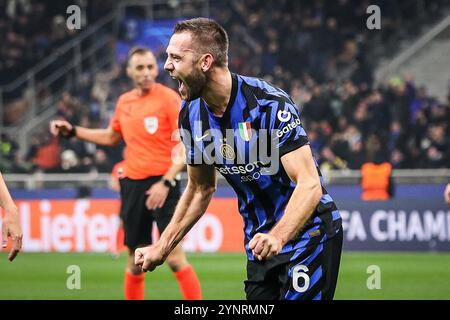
(312, 275)
(137, 219)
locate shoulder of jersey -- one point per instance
(129, 95)
(261, 84)
(167, 91)
(252, 81)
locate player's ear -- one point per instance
(156, 68)
(129, 74)
(206, 62)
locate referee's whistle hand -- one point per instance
(264, 246)
(58, 127)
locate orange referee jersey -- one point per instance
(146, 124)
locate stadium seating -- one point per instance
(321, 55)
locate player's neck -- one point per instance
(218, 90)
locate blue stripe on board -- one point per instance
(339, 192)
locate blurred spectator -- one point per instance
(436, 147)
(376, 173)
(45, 153)
(30, 30)
(69, 161)
(8, 151)
(101, 162)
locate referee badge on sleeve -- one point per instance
(151, 124)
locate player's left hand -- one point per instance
(148, 258)
(157, 195)
(264, 246)
(11, 229)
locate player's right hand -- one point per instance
(148, 258)
(60, 127)
(264, 246)
(11, 229)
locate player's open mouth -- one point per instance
(180, 85)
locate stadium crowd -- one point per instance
(30, 32)
(32, 29)
(321, 55)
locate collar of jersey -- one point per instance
(225, 119)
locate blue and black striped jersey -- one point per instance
(260, 125)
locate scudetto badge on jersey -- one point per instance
(151, 124)
(245, 130)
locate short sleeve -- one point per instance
(115, 122)
(285, 124)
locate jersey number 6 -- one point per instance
(298, 273)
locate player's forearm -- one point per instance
(192, 205)
(105, 137)
(6, 201)
(298, 210)
(174, 170)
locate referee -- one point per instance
(145, 118)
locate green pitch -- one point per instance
(44, 276)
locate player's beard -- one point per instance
(195, 83)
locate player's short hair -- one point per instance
(209, 36)
(137, 50)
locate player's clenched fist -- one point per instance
(148, 258)
(61, 128)
(264, 246)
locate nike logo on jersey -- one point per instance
(201, 138)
